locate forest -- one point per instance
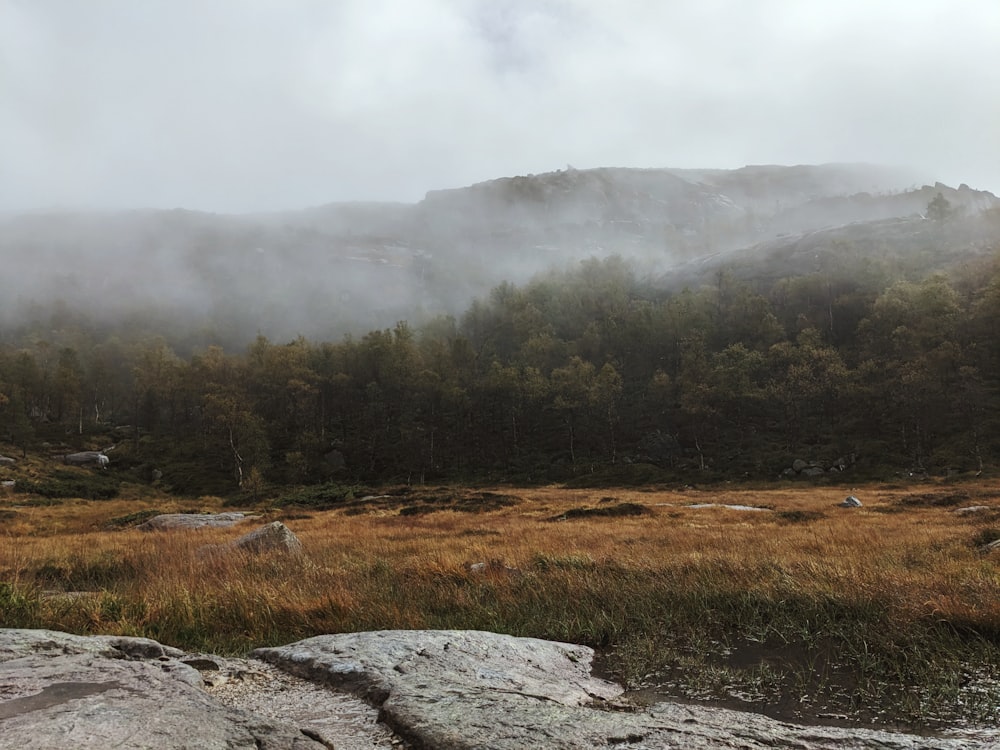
(863, 367)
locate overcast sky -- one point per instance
(241, 105)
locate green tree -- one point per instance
(939, 208)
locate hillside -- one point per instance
(325, 271)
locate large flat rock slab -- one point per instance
(170, 521)
(64, 691)
(446, 690)
(468, 690)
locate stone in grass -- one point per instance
(166, 521)
(850, 502)
(273, 537)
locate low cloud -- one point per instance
(244, 105)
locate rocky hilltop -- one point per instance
(447, 690)
(326, 270)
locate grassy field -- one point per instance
(889, 613)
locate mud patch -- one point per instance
(55, 694)
(603, 511)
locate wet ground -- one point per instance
(792, 683)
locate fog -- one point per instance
(261, 105)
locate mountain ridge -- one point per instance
(343, 267)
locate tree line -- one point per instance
(577, 372)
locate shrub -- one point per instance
(65, 484)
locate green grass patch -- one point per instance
(622, 475)
(132, 519)
(322, 496)
(618, 510)
(799, 516)
(66, 484)
(19, 606)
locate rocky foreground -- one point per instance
(446, 690)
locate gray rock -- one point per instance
(7, 461)
(466, 690)
(971, 509)
(274, 537)
(64, 691)
(83, 458)
(813, 471)
(167, 521)
(751, 508)
(985, 549)
(850, 502)
(798, 465)
(449, 690)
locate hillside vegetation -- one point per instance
(584, 375)
(860, 347)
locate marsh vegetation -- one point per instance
(886, 614)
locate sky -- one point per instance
(251, 105)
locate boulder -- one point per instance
(850, 502)
(7, 461)
(274, 537)
(84, 458)
(93, 693)
(798, 465)
(167, 521)
(813, 471)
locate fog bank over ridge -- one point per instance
(348, 267)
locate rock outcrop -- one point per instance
(167, 521)
(85, 458)
(64, 691)
(464, 690)
(447, 690)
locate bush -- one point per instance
(322, 496)
(65, 484)
(18, 609)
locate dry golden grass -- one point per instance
(899, 577)
(922, 558)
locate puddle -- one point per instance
(53, 695)
(809, 685)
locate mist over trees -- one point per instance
(866, 347)
(346, 268)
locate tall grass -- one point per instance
(887, 608)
